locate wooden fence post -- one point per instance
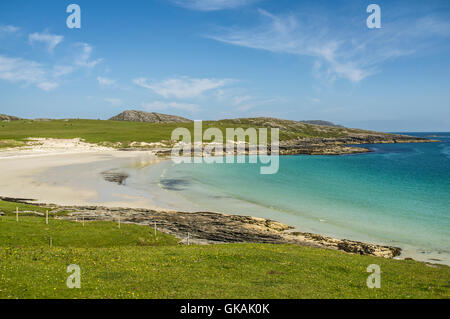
(17, 214)
(46, 217)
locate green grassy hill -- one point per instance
(14, 133)
(131, 262)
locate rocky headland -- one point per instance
(297, 137)
(343, 145)
(351, 144)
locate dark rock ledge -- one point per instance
(214, 228)
(351, 144)
(115, 177)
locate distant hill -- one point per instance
(153, 117)
(275, 122)
(4, 117)
(322, 123)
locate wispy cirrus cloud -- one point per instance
(44, 76)
(84, 57)
(351, 53)
(8, 30)
(61, 70)
(196, 92)
(212, 5)
(50, 40)
(239, 99)
(106, 82)
(243, 99)
(26, 72)
(182, 87)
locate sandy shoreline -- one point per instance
(69, 173)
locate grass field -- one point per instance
(9, 208)
(14, 133)
(131, 262)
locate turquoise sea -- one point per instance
(398, 195)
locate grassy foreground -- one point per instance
(131, 262)
(14, 133)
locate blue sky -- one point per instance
(218, 59)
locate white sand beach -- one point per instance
(68, 172)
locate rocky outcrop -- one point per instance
(321, 149)
(153, 117)
(210, 228)
(320, 146)
(213, 228)
(4, 117)
(341, 145)
(351, 246)
(115, 177)
(203, 227)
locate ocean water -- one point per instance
(397, 195)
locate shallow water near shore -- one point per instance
(397, 195)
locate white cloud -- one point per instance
(239, 99)
(8, 29)
(47, 86)
(142, 82)
(243, 99)
(45, 75)
(114, 101)
(47, 78)
(183, 87)
(212, 5)
(106, 82)
(348, 52)
(161, 105)
(17, 70)
(51, 40)
(209, 91)
(83, 58)
(60, 70)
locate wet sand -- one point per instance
(72, 178)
